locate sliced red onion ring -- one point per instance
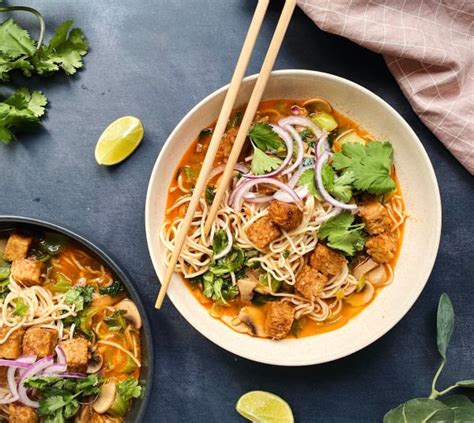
(301, 192)
(252, 197)
(56, 368)
(295, 109)
(299, 143)
(219, 169)
(15, 363)
(322, 146)
(239, 196)
(285, 136)
(27, 359)
(69, 374)
(228, 247)
(319, 182)
(34, 370)
(334, 212)
(61, 355)
(302, 121)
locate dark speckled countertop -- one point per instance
(155, 60)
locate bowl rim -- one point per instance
(112, 264)
(404, 308)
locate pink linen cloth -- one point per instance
(428, 45)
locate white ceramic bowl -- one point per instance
(419, 248)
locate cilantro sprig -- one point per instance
(339, 186)
(264, 140)
(342, 234)
(370, 165)
(19, 52)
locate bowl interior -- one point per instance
(137, 411)
(423, 227)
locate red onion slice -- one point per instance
(285, 136)
(56, 368)
(322, 146)
(239, 196)
(301, 192)
(319, 182)
(252, 197)
(16, 363)
(302, 121)
(34, 370)
(299, 143)
(228, 247)
(219, 169)
(69, 374)
(60, 354)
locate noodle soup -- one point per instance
(69, 333)
(309, 230)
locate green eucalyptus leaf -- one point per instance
(420, 410)
(466, 383)
(445, 323)
(457, 401)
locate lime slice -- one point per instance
(119, 140)
(264, 407)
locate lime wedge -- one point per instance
(264, 407)
(119, 140)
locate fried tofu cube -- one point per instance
(77, 354)
(101, 418)
(326, 260)
(3, 376)
(310, 282)
(17, 247)
(280, 318)
(39, 341)
(11, 348)
(262, 232)
(28, 271)
(375, 217)
(286, 215)
(382, 247)
(19, 413)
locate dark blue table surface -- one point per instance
(155, 60)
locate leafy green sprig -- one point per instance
(457, 408)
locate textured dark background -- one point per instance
(155, 60)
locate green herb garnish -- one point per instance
(457, 408)
(113, 290)
(342, 234)
(307, 180)
(370, 165)
(80, 297)
(338, 186)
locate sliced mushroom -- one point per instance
(379, 276)
(317, 104)
(254, 318)
(95, 363)
(363, 297)
(347, 136)
(246, 287)
(270, 114)
(84, 415)
(106, 398)
(363, 268)
(131, 312)
(236, 324)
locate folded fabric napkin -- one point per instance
(428, 46)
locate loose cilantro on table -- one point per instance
(20, 110)
(19, 52)
(342, 234)
(370, 165)
(338, 186)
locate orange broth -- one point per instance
(194, 159)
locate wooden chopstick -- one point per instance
(227, 106)
(251, 109)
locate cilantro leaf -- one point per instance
(341, 234)
(129, 388)
(80, 297)
(307, 180)
(263, 163)
(209, 194)
(264, 137)
(18, 110)
(65, 51)
(219, 242)
(371, 165)
(14, 40)
(339, 186)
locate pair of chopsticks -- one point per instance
(221, 124)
